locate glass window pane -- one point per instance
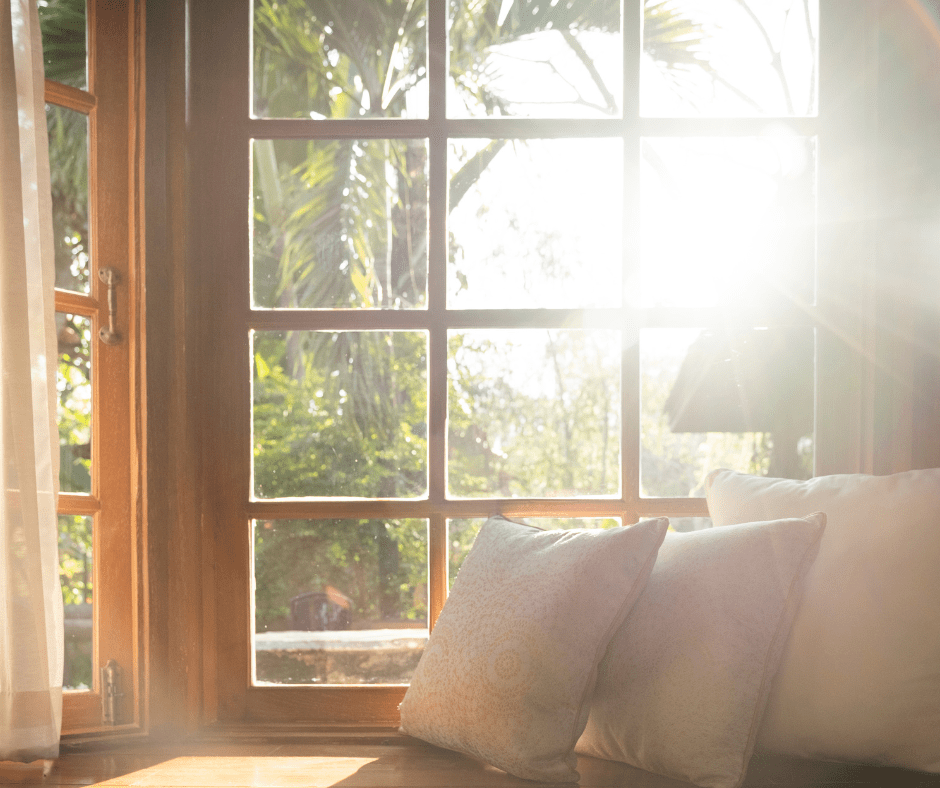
(68, 163)
(535, 223)
(64, 37)
(747, 210)
(686, 524)
(535, 59)
(73, 384)
(339, 601)
(76, 575)
(340, 223)
(739, 399)
(339, 414)
(533, 413)
(729, 58)
(461, 533)
(340, 60)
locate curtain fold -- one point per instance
(31, 639)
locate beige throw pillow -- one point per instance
(685, 680)
(860, 678)
(508, 670)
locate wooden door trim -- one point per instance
(115, 61)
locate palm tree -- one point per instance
(341, 223)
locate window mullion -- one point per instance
(437, 294)
(630, 357)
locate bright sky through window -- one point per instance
(534, 234)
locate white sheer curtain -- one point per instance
(31, 647)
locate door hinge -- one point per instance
(110, 277)
(111, 693)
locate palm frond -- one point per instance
(64, 35)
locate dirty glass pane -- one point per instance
(738, 398)
(64, 41)
(73, 385)
(461, 533)
(340, 60)
(535, 59)
(746, 208)
(339, 224)
(339, 414)
(535, 223)
(76, 568)
(729, 58)
(68, 164)
(339, 601)
(533, 413)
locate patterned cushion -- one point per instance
(513, 657)
(686, 677)
(860, 679)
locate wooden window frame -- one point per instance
(111, 104)
(219, 102)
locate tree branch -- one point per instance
(588, 63)
(775, 61)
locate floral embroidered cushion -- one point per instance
(683, 686)
(510, 665)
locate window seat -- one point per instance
(383, 758)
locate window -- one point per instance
(552, 260)
(90, 146)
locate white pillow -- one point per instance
(683, 686)
(860, 679)
(508, 670)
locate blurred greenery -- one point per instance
(350, 420)
(558, 436)
(76, 573)
(74, 406)
(64, 35)
(68, 159)
(64, 39)
(380, 565)
(343, 223)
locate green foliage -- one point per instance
(350, 421)
(342, 223)
(673, 40)
(380, 565)
(68, 159)
(63, 36)
(63, 40)
(479, 27)
(75, 559)
(63, 28)
(73, 383)
(331, 59)
(557, 436)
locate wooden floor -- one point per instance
(380, 762)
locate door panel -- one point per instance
(89, 53)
